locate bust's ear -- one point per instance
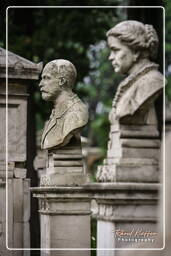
(62, 80)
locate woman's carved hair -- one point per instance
(138, 36)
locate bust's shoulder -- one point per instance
(76, 117)
(78, 109)
(145, 88)
(151, 78)
(147, 85)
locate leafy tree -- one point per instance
(44, 34)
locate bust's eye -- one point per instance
(46, 77)
(115, 49)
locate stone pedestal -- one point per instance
(65, 220)
(15, 182)
(65, 165)
(133, 153)
(126, 216)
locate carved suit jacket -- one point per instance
(64, 122)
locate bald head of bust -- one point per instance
(57, 76)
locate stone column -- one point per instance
(65, 219)
(133, 153)
(123, 212)
(20, 74)
(64, 202)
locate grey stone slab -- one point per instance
(67, 156)
(10, 213)
(16, 128)
(19, 67)
(127, 212)
(126, 152)
(69, 163)
(68, 206)
(72, 178)
(65, 220)
(45, 231)
(135, 130)
(18, 200)
(148, 173)
(140, 143)
(72, 232)
(131, 161)
(26, 238)
(2, 203)
(105, 237)
(69, 169)
(20, 173)
(26, 201)
(18, 235)
(129, 172)
(3, 249)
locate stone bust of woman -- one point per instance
(134, 138)
(134, 46)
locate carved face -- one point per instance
(121, 56)
(50, 85)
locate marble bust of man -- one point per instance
(69, 113)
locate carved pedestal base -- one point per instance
(128, 170)
(65, 220)
(132, 156)
(65, 166)
(127, 215)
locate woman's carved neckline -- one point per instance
(128, 81)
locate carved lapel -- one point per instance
(49, 125)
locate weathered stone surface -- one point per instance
(16, 134)
(69, 114)
(134, 145)
(65, 219)
(20, 173)
(26, 201)
(129, 172)
(134, 132)
(18, 67)
(106, 238)
(10, 214)
(125, 206)
(61, 133)
(20, 74)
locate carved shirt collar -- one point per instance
(142, 68)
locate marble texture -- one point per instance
(61, 135)
(134, 132)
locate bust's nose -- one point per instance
(41, 83)
(111, 56)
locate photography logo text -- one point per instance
(135, 235)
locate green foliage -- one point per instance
(44, 34)
(98, 89)
(77, 34)
(49, 33)
(168, 88)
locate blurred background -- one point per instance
(79, 35)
